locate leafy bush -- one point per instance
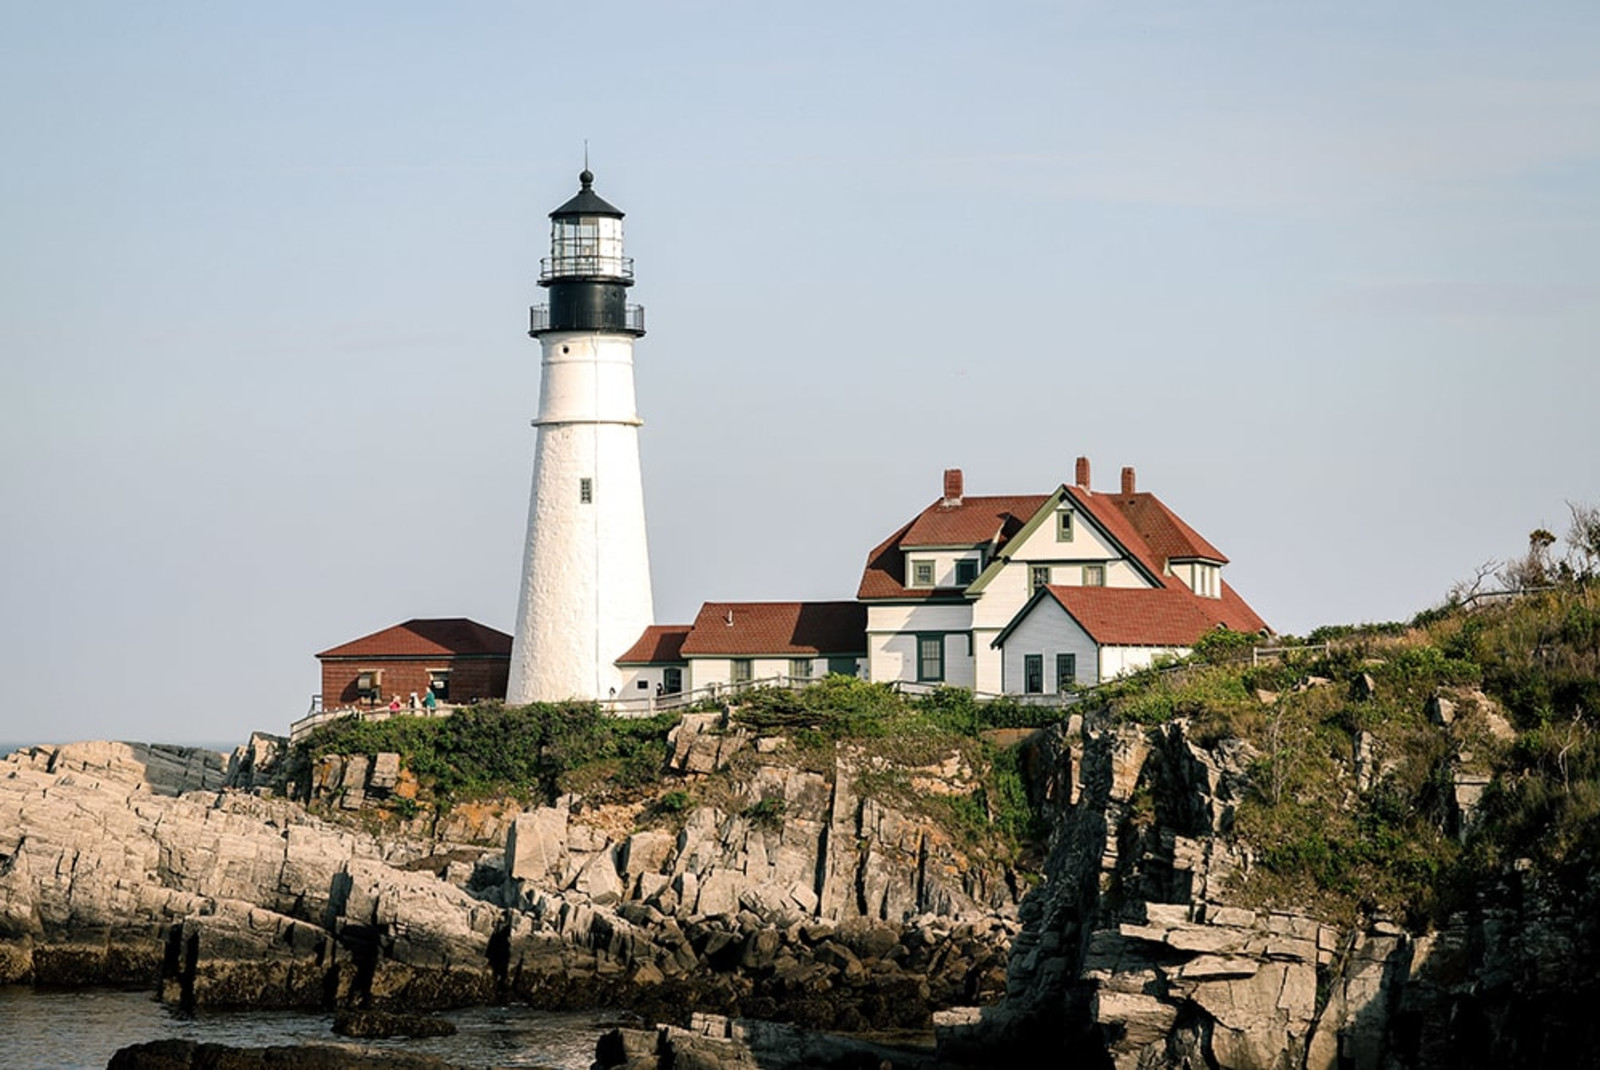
(768, 812)
(1223, 645)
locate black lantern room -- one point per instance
(586, 273)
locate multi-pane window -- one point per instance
(671, 680)
(1033, 674)
(1064, 526)
(739, 670)
(1066, 672)
(585, 490)
(1094, 575)
(1038, 576)
(966, 572)
(800, 668)
(922, 573)
(930, 658)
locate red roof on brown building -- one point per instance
(445, 637)
(749, 629)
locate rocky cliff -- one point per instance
(798, 899)
(1149, 946)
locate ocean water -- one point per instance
(81, 1029)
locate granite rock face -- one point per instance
(125, 863)
(1133, 952)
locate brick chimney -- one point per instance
(952, 486)
(1128, 481)
(1082, 478)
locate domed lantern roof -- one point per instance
(586, 201)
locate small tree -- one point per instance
(1533, 569)
(1583, 541)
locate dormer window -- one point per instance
(922, 573)
(966, 572)
(1064, 526)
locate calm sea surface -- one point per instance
(79, 1030)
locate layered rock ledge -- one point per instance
(128, 863)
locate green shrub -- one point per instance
(1222, 645)
(768, 812)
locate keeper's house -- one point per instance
(460, 660)
(735, 643)
(1037, 593)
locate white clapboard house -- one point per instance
(1003, 594)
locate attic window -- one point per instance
(922, 573)
(966, 572)
(1064, 526)
(1094, 575)
(585, 490)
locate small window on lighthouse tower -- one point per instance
(585, 490)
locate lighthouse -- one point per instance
(586, 570)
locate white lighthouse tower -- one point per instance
(586, 573)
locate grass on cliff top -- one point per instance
(535, 753)
(1320, 838)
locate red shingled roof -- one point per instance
(659, 643)
(1111, 520)
(446, 637)
(972, 521)
(1163, 530)
(777, 628)
(1152, 616)
(975, 521)
(1141, 523)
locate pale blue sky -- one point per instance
(1327, 274)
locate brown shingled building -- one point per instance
(459, 660)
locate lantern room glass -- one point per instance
(587, 245)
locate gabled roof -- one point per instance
(444, 637)
(660, 643)
(1114, 524)
(1163, 530)
(1144, 616)
(1148, 532)
(974, 521)
(801, 629)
